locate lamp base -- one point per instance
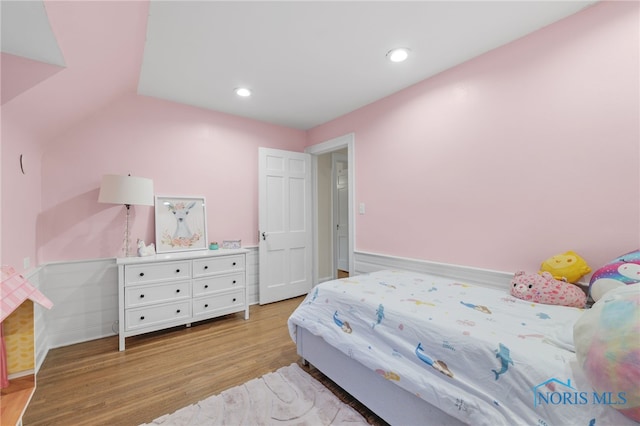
(127, 235)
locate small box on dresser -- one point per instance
(168, 290)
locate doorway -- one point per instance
(340, 212)
(331, 249)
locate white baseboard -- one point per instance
(323, 279)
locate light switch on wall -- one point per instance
(361, 208)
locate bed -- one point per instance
(423, 349)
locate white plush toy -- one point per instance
(144, 250)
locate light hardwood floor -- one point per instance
(342, 274)
(92, 383)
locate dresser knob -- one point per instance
(178, 311)
(206, 267)
(206, 286)
(177, 271)
(234, 263)
(142, 274)
(206, 305)
(141, 318)
(178, 291)
(234, 281)
(141, 296)
(234, 299)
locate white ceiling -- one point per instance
(309, 62)
(26, 32)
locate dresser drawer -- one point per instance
(154, 315)
(228, 302)
(217, 283)
(137, 274)
(218, 265)
(140, 295)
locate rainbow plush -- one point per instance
(620, 271)
(607, 343)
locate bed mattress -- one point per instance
(478, 354)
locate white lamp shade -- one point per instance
(130, 190)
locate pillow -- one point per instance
(607, 343)
(620, 271)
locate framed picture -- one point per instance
(231, 244)
(181, 224)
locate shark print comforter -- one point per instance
(479, 354)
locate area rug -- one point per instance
(288, 396)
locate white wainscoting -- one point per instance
(253, 273)
(85, 300)
(370, 262)
(85, 293)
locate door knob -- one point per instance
(264, 235)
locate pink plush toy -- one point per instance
(543, 288)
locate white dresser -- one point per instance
(167, 290)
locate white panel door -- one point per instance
(285, 222)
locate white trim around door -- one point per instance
(341, 142)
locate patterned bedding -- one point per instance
(479, 354)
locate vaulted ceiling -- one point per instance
(306, 62)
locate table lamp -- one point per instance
(128, 190)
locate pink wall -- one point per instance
(20, 195)
(520, 154)
(101, 66)
(525, 152)
(186, 151)
(21, 74)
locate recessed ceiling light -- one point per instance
(243, 91)
(398, 55)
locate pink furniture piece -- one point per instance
(15, 289)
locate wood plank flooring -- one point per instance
(342, 274)
(14, 398)
(92, 383)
